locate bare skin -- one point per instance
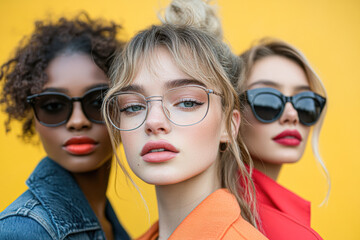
(74, 74)
(94, 185)
(289, 78)
(176, 201)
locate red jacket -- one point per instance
(283, 214)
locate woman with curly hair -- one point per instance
(55, 85)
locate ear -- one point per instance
(235, 125)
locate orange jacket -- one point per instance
(217, 217)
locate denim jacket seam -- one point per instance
(26, 212)
(84, 230)
(42, 221)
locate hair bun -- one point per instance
(196, 13)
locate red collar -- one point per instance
(270, 193)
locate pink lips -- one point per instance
(158, 151)
(80, 145)
(288, 138)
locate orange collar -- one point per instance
(210, 219)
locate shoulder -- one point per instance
(20, 227)
(279, 225)
(241, 229)
(25, 213)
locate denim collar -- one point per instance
(62, 198)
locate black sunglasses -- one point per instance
(268, 104)
(53, 109)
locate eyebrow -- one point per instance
(65, 90)
(183, 82)
(168, 85)
(276, 85)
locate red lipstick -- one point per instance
(80, 145)
(158, 151)
(288, 138)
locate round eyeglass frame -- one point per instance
(158, 98)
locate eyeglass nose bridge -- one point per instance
(153, 99)
(77, 99)
(84, 112)
(287, 99)
(158, 99)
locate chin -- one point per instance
(159, 180)
(283, 159)
(81, 165)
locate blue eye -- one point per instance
(188, 104)
(133, 109)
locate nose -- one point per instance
(78, 120)
(289, 115)
(156, 120)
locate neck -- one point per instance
(94, 185)
(269, 169)
(176, 201)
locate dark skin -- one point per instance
(94, 185)
(74, 74)
(70, 57)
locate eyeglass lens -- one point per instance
(183, 106)
(268, 107)
(56, 109)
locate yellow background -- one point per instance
(327, 31)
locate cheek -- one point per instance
(202, 140)
(305, 131)
(253, 134)
(105, 139)
(50, 143)
(133, 142)
(256, 135)
(250, 127)
(45, 134)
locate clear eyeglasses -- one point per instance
(183, 106)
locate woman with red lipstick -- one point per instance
(176, 113)
(284, 98)
(55, 85)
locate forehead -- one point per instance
(279, 70)
(74, 73)
(160, 71)
(159, 66)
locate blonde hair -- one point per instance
(270, 47)
(203, 56)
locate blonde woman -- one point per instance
(173, 107)
(283, 99)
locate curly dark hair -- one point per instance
(24, 74)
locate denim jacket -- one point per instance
(54, 207)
